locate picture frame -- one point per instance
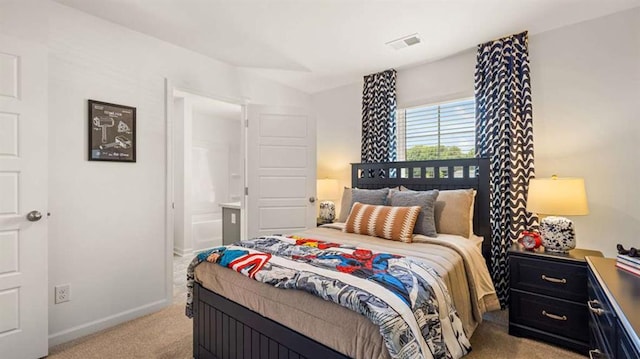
(112, 132)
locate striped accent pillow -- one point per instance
(395, 223)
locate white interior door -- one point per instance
(281, 170)
(23, 189)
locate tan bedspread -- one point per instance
(456, 259)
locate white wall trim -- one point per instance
(198, 251)
(245, 168)
(169, 210)
(104, 323)
(218, 97)
(181, 253)
(433, 100)
(170, 88)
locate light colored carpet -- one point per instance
(491, 341)
(167, 335)
(180, 265)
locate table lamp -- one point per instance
(328, 190)
(551, 198)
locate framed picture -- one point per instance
(112, 132)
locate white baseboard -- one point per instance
(183, 252)
(200, 250)
(104, 323)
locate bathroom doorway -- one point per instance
(208, 169)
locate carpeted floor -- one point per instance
(167, 335)
(491, 341)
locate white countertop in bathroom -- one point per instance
(233, 205)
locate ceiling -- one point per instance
(315, 45)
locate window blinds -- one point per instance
(440, 131)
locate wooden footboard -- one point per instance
(223, 329)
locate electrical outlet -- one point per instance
(62, 293)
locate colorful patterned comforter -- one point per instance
(404, 297)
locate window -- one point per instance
(440, 131)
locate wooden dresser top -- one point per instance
(623, 291)
(574, 255)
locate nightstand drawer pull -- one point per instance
(554, 280)
(553, 316)
(592, 304)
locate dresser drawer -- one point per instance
(601, 313)
(548, 314)
(598, 347)
(561, 280)
(625, 350)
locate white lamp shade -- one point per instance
(557, 196)
(328, 189)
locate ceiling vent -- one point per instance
(405, 41)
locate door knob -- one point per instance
(34, 216)
(312, 199)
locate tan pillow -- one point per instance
(345, 205)
(454, 212)
(395, 223)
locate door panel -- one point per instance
(9, 73)
(283, 125)
(281, 157)
(280, 217)
(281, 171)
(9, 309)
(275, 187)
(8, 134)
(23, 188)
(9, 192)
(8, 252)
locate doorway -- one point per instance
(208, 169)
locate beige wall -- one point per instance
(586, 86)
(338, 116)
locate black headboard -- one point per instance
(436, 174)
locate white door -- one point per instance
(281, 170)
(23, 189)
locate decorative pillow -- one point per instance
(454, 212)
(395, 223)
(425, 223)
(345, 205)
(392, 192)
(366, 196)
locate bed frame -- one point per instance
(438, 174)
(223, 329)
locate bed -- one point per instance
(236, 317)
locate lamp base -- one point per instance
(327, 211)
(558, 234)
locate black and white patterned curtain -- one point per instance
(504, 126)
(379, 117)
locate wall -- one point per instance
(182, 132)
(207, 172)
(439, 81)
(338, 115)
(107, 226)
(219, 137)
(224, 132)
(585, 84)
